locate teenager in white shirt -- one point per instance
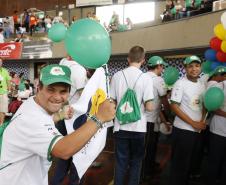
(31, 139)
(186, 102)
(217, 138)
(155, 68)
(129, 138)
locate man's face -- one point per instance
(53, 97)
(160, 69)
(193, 69)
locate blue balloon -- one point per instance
(214, 65)
(211, 55)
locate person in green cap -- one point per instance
(216, 77)
(31, 140)
(4, 88)
(155, 68)
(186, 103)
(217, 136)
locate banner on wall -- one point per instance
(11, 50)
(37, 49)
(92, 2)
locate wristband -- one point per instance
(96, 120)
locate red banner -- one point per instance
(11, 50)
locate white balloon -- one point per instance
(223, 19)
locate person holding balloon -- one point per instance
(186, 103)
(217, 138)
(31, 140)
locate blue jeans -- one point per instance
(129, 152)
(62, 169)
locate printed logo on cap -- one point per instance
(159, 62)
(57, 71)
(193, 58)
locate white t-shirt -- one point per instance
(159, 90)
(26, 147)
(218, 123)
(190, 97)
(204, 79)
(214, 84)
(143, 89)
(24, 94)
(78, 78)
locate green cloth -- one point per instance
(128, 110)
(188, 3)
(191, 59)
(218, 70)
(55, 73)
(21, 86)
(173, 11)
(198, 3)
(156, 60)
(4, 78)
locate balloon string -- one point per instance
(206, 116)
(105, 66)
(205, 119)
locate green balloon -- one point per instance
(206, 67)
(88, 43)
(213, 98)
(57, 32)
(170, 75)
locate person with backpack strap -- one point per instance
(132, 92)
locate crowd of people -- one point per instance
(28, 22)
(177, 9)
(22, 26)
(115, 25)
(36, 133)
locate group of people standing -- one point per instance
(31, 139)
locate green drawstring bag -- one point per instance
(128, 110)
